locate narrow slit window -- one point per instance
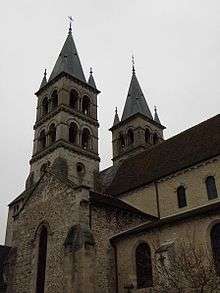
(211, 187)
(42, 259)
(181, 196)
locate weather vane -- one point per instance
(71, 20)
(133, 63)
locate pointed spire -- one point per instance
(91, 80)
(135, 102)
(156, 117)
(68, 60)
(116, 119)
(44, 80)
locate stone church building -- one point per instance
(76, 229)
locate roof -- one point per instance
(68, 60)
(106, 200)
(197, 212)
(135, 102)
(108, 175)
(186, 149)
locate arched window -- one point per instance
(181, 196)
(86, 105)
(52, 133)
(54, 100)
(143, 266)
(211, 187)
(86, 138)
(130, 136)
(155, 138)
(74, 98)
(45, 106)
(147, 135)
(42, 140)
(215, 242)
(73, 130)
(121, 141)
(42, 260)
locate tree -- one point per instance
(185, 268)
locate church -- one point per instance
(78, 229)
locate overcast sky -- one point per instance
(177, 54)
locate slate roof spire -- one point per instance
(116, 119)
(91, 80)
(68, 60)
(156, 117)
(135, 102)
(44, 80)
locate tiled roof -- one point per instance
(186, 149)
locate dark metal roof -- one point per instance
(184, 150)
(135, 102)
(68, 60)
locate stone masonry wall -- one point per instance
(58, 206)
(106, 222)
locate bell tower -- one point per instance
(138, 129)
(66, 127)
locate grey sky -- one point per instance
(177, 51)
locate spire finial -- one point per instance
(45, 73)
(156, 117)
(116, 119)
(133, 64)
(91, 72)
(70, 24)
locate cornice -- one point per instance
(61, 143)
(124, 122)
(65, 74)
(66, 109)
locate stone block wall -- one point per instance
(106, 222)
